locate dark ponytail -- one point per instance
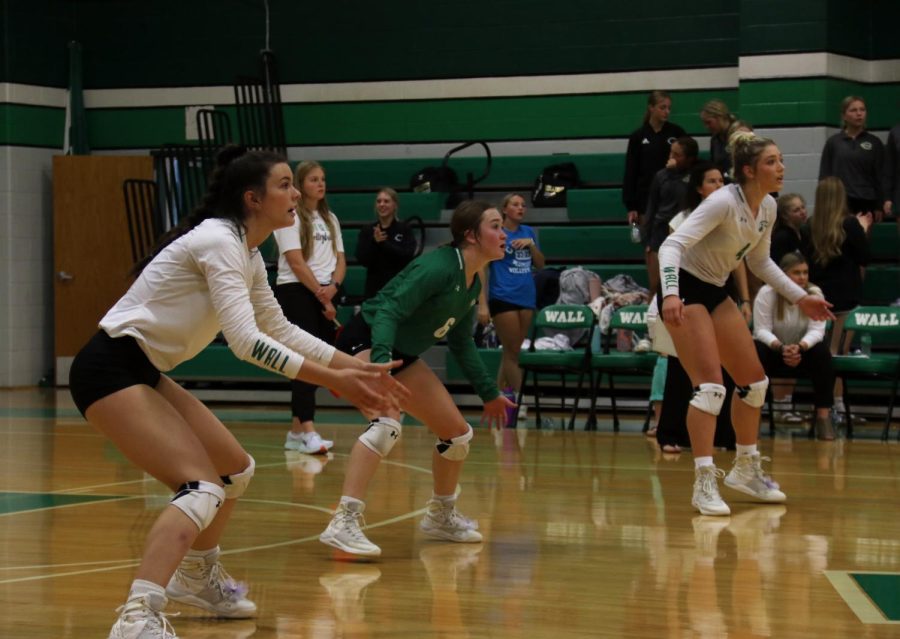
(237, 171)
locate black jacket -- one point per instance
(383, 260)
(647, 153)
(840, 279)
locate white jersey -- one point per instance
(206, 281)
(794, 327)
(322, 259)
(713, 240)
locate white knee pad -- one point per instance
(236, 484)
(381, 435)
(708, 398)
(755, 394)
(199, 500)
(455, 448)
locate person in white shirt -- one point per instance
(708, 331)
(789, 344)
(311, 269)
(205, 276)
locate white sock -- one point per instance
(141, 587)
(703, 461)
(293, 435)
(745, 450)
(446, 500)
(839, 405)
(202, 554)
(346, 500)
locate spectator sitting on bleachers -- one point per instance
(856, 157)
(647, 153)
(386, 246)
(791, 214)
(508, 294)
(718, 118)
(790, 344)
(836, 247)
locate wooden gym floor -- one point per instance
(586, 535)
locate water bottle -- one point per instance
(635, 233)
(865, 344)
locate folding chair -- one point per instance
(632, 318)
(557, 317)
(883, 323)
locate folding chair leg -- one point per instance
(847, 419)
(537, 400)
(646, 426)
(591, 422)
(575, 401)
(612, 399)
(890, 413)
(771, 405)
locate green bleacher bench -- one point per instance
(589, 243)
(359, 208)
(516, 172)
(881, 285)
(596, 205)
(885, 241)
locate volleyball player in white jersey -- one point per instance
(706, 326)
(206, 276)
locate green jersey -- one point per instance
(427, 301)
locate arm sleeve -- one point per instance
(760, 262)
(339, 240)
(879, 177)
(826, 168)
(763, 316)
(632, 168)
(221, 263)
(413, 291)
(365, 246)
(704, 219)
(462, 346)
(815, 333)
(270, 318)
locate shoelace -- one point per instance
(231, 589)
(157, 620)
(354, 523)
(754, 470)
(708, 485)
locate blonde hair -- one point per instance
(653, 99)
(306, 226)
(746, 147)
(506, 200)
(391, 193)
(720, 111)
(789, 261)
(826, 228)
(845, 104)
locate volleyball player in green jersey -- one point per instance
(431, 299)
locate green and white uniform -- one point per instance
(428, 301)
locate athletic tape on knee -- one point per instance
(455, 448)
(199, 500)
(236, 484)
(709, 398)
(381, 435)
(755, 394)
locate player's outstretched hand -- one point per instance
(494, 414)
(816, 307)
(387, 384)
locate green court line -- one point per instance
(11, 502)
(872, 596)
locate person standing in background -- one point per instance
(311, 269)
(856, 157)
(647, 153)
(718, 119)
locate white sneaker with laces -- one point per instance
(142, 617)
(748, 477)
(344, 531)
(643, 346)
(203, 582)
(308, 443)
(706, 497)
(443, 521)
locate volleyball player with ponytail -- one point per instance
(708, 330)
(205, 276)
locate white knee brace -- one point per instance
(236, 484)
(381, 435)
(709, 398)
(199, 500)
(755, 394)
(455, 448)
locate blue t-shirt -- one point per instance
(510, 279)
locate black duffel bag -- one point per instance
(552, 185)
